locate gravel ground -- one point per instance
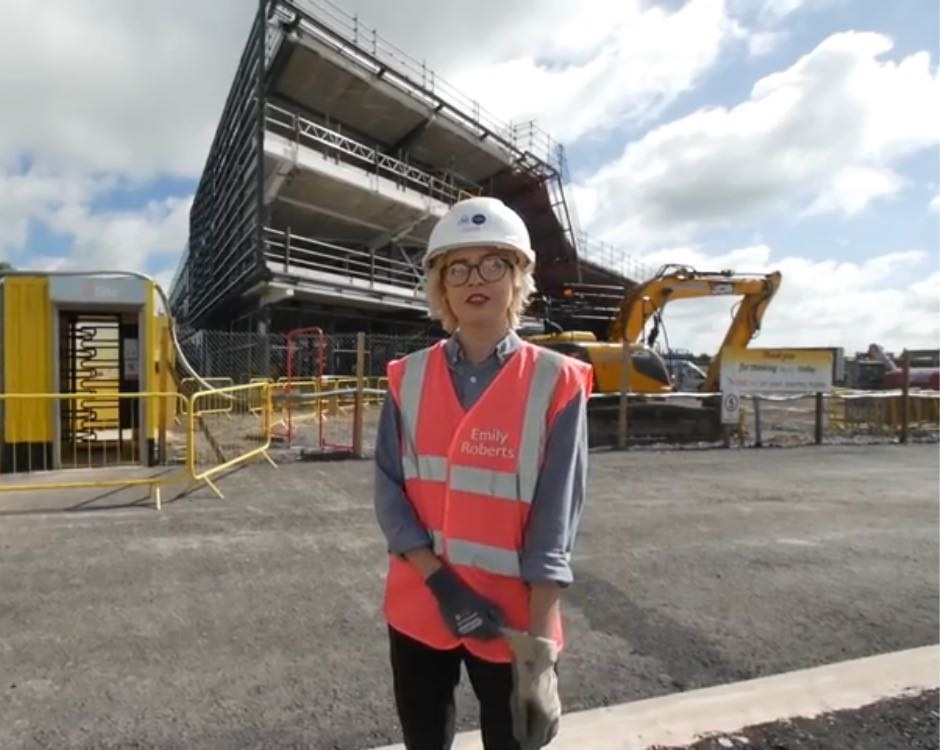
(254, 621)
(236, 432)
(909, 722)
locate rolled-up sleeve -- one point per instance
(559, 498)
(396, 516)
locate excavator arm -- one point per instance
(746, 323)
(683, 282)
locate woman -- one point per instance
(481, 462)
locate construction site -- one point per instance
(186, 479)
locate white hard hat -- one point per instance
(480, 222)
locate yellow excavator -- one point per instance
(650, 418)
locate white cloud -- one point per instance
(761, 43)
(853, 188)
(820, 136)
(108, 97)
(124, 240)
(64, 205)
(134, 88)
(574, 67)
(934, 204)
(775, 10)
(819, 303)
(34, 195)
(589, 76)
(774, 13)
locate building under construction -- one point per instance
(335, 155)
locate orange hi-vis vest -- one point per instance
(471, 477)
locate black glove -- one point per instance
(467, 614)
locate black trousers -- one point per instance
(425, 680)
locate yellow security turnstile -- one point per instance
(75, 350)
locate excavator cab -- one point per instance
(649, 373)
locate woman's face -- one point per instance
(478, 284)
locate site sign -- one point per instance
(769, 371)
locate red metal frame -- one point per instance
(291, 338)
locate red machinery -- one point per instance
(927, 378)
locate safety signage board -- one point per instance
(767, 371)
(730, 407)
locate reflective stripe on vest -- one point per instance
(496, 560)
(411, 385)
(429, 468)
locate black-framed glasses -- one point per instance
(490, 268)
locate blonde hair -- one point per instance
(523, 287)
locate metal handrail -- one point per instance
(414, 77)
(608, 256)
(306, 252)
(312, 134)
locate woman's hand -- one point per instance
(467, 614)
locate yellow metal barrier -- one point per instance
(215, 445)
(190, 386)
(256, 402)
(45, 433)
(381, 384)
(882, 412)
(298, 410)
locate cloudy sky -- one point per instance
(799, 135)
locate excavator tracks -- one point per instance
(652, 420)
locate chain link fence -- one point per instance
(314, 378)
(251, 357)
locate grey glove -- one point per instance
(467, 614)
(535, 704)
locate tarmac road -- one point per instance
(254, 621)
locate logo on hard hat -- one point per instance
(478, 219)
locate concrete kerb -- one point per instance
(684, 718)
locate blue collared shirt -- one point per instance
(559, 495)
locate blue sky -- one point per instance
(913, 26)
(901, 221)
(785, 134)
